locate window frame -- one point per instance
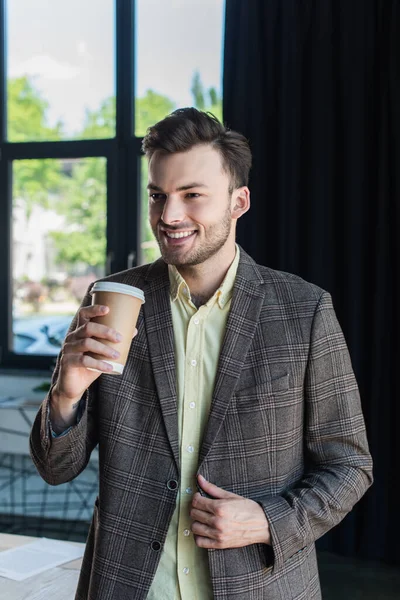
(122, 153)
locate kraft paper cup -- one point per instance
(124, 302)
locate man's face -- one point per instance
(189, 204)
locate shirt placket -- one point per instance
(190, 447)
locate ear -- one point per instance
(240, 202)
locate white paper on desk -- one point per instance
(33, 558)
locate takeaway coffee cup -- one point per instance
(124, 302)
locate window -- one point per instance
(58, 246)
(178, 58)
(75, 100)
(62, 75)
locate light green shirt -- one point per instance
(183, 572)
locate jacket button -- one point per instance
(172, 484)
(156, 546)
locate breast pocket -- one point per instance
(272, 408)
(269, 386)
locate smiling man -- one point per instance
(235, 437)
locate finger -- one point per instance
(96, 330)
(213, 490)
(205, 504)
(135, 332)
(83, 360)
(88, 312)
(203, 517)
(82, 345)
(205, 531)
(205, 542)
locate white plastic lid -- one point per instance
(120, 288)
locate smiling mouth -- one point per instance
(178, 235)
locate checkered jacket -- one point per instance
(285, 429)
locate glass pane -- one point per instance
(58, 246)
(149, 249)
(179, 47)
(60, 66)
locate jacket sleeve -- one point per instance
(338, 464)
(60, 459)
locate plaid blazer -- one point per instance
(285, 429)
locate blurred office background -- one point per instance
(315, 87)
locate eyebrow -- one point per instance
(182, 188)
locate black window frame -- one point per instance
(123, 155)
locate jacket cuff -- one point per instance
(79, 412)
(66, 438)
(287, 536)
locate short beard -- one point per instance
(217, 237)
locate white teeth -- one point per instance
(179, 235)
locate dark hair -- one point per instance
(187, 127)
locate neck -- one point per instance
(204, 279)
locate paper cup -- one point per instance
(124, 302)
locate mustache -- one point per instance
(181, 226)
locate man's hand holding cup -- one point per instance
(96, 346)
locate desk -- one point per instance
(59, 582)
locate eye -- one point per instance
(157, 197)
(192, 195)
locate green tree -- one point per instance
(82, 202)
(100, 124)
(27, 113)
(149, 109)
(83, 198)
(198, 91)
(213, 94)
(34, 181)
(216, 110)
(206, 100)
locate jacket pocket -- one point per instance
(274, 386)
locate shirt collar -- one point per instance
(179, 287)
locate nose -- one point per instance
(173, 211)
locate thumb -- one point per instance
(213, 490)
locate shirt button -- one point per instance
(190, 449)
(189, 490)
(193, 363)
(172, 484)
(156, 546)
(192, 404)
(186, 532)
(186, 570)
(196, 321)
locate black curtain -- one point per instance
(315, 87)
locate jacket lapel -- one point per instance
(247, 300)
(160, 336)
